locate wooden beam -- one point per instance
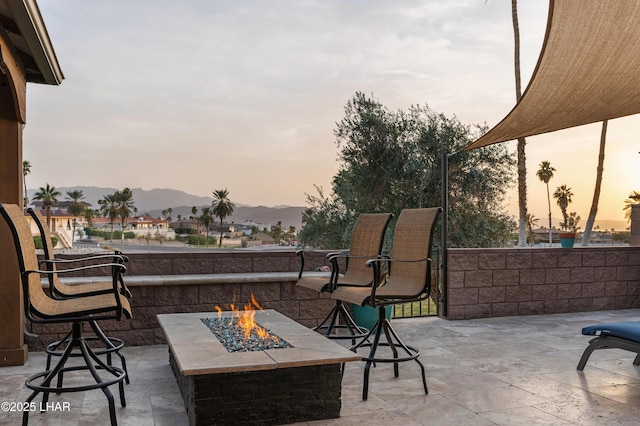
(13, 69)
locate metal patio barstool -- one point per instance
(408, 280)
(42, 309)
(366, 242)
(61, 290)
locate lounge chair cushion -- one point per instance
(625, 330)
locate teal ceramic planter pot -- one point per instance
(567, 239)
(366, 316)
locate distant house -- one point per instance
(60, 225)
(139, 225)
(266, 239)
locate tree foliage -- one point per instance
(634, 198)
(391, 160)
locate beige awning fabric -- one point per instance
(588, 71)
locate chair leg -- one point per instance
(339, 318)
(109, 345)
(89, 358)
(393, 341)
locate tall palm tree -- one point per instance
(531, 222)
(222, 207)
(125, 206)
(586, 235)
(522, 161)
(194, 217)
(563, 196)
(634, 198)
(206, 219)
(109, 205)
(49, 196)
(76, 207)
(26, 169)
(545, 173)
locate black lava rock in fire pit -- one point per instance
(231, 335)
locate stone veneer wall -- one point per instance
(482, 283)
(522, 281)
(305, 306)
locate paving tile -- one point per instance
(503, 371)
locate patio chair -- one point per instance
(366, 242)
(618, 335)
(40, 308)
(408, 280)
(60, 290)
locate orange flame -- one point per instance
(245, 319)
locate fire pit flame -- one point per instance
(245, 319)
(250, 335)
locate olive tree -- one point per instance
(390, 160)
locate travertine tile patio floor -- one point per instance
(504, 371)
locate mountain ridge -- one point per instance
(154, 201)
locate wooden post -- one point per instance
(13, 351)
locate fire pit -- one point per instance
(268, 386)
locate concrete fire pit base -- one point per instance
(271, 387)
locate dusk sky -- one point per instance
(199, 95)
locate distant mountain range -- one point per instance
(154, 201)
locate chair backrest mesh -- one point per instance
(26, 252)
(412, 240)
(47, 244)
(366, 243)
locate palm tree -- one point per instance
(206, 219)
(49, 196)
(89, 214)
(522, 162)
(109, 208)
(634, 198)
(531, 222)
(586, 235)
(125, 206)
(563, 196)
(169, 212)
(222, 207)
(545, 173)
(76, 207)
(26, 169)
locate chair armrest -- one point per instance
(116, 256)
(117, 270)
(377, 276)
(301, 255)
(116, 267)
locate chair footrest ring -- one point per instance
(62, 389)
(323, 329)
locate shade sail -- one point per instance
(588, 71)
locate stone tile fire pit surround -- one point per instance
(269, 387)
